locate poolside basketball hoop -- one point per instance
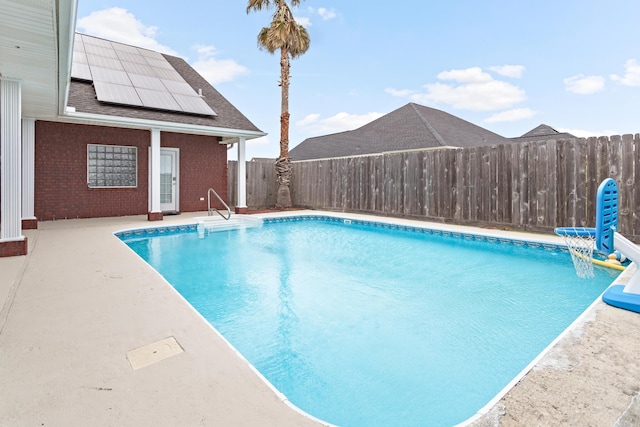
(580, 241)
(606, 240)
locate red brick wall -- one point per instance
(203, 164)
(14, 248)
(61, 189)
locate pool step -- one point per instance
(211, 224)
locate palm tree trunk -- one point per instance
(283, 163)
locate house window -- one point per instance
(112, 166)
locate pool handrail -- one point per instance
(211, 209)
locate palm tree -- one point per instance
(292, 40)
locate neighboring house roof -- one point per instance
(83, 98)
(410, 127)
(542, 133)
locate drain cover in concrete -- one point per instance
(153, 353)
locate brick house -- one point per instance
(94, 128)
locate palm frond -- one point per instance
(284, 33)
(258, 5)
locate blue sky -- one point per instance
(505, 65)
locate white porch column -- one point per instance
(155, 213)
(241, 201)
(29, 219)
(12, 242)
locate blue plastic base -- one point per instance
(616, 297)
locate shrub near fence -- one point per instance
(523, 186)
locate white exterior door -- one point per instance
(169, 180)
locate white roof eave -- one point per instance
(34, 44)
(67, 15)
(126, 122)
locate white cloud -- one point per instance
(511, 115)
(341, 122)
(303, 20)
(323, 12)
(514, 71)
(468, 75)
(326, 14)
(582, 133)
(399, 92)
(473, 89)
(216, 70)
(119, 25)
(584, 85)
(631, 76)
(309, 120)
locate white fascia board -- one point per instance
(65, 33)
(127, 122)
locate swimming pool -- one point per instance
(365, 324)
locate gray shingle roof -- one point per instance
(82, 97)
(542, 132)
(410, 127)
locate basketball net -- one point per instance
(580, 242)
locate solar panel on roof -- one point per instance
(193, 104)
(178, 87)
(120, 48)
(160, 63)
(141, 69)
(158, 99)
(168, 74)
(78, 47)
(150, 54)
(118, 94)
(95, 41)
(133, 76)
(104, 62)
(81, 71)
(109, 76)
(132, 57)
(146, 82)
(100, 50)
(79, 57)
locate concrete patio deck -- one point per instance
(76, 306)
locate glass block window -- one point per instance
(112, 166)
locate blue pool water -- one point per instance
(363, 325)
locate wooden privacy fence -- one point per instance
(524, 186)
(261, 183)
